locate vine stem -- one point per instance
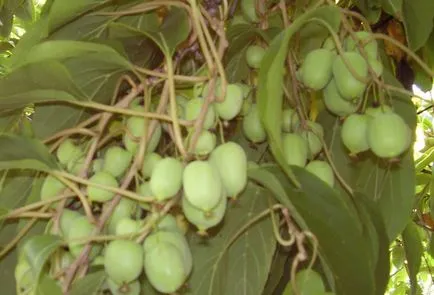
(39, 215)
(178, 78)
(68, 132)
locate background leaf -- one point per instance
(418, 16)
(90, 284)
(48, 286)
(413, 252)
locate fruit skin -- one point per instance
(149, 162)
(335, 103)
(133, 288)
(248, 8)
(375, 111)
(254, 56)
(313, 136)
(202, 185)
(51, 188)
(123, 261)
(125, 208)
(323, 170)
(67, 219)
(252, 126)
(127, 226)
(370, 48)
(68, 151)
(233, 101)
(168, 223)
(287, 119)
(295, 149)
(75, 166)
(309, 282)
(354, 133)
(349, 86)
(205, 143)
(230, 159)
(82, 228)
(316, 70)
(116, 161)
(136, 127)
(193, 109)
(98, 194)
(329, 44)
(388, 135)
(166, 178)
(376, 66)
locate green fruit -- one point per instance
(75, 166)
(323, 170)
(193, 109)
(149, 162)
(66, 259)
(233, 101)
(97, 165)
(316, 70)
(68, 151)
(248, 8)
(202, 185)
(166, 178)
(376, 66)
(205, 143)
(133, 288)
(313, 137)
(127, 226)
(81, 228)
(335, 103)
(247, 89)
(329, 44)
(354, 133)
(374, 112)
(252, 126)
(125, 208)
(52, 187)
(295, 149)
(203, 220)
(287, 118)
(254, 56)
(164, 268)
(123, 261)
(307, 282)
(388, 135)
(230, 159)
(67, 219)
(97, 194)
(116, 161)
(348, 85)
(168, 223)
(252, 165)
(136, 127)
(371, 48)
(247, 105)
(175, 238)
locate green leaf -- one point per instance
(7, 18)
(393, 7)
(243, 266)
(90, 284)
(277, 271)
(423, 161)
(25, 11)
(25, 153)
(270, 82)
(38, 249)
(413, 253)
(418, 18)
(48, 286)
(337, 226)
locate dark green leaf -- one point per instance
(237, 68)
(371, 9)
(277, 271)
(24, 153)
(393, 7)
(90, 284)
(7, 18)
(422, 79)
(48, 286)
(418, 18)
(413, 253)
(241, 267)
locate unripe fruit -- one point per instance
(371, 48)
(97, 165)
(66, 259)
(354, 133)
(247, 104)
(205, 143)
(125, 208)
(309, 282)
(149, 162)
(52, 187)
(388, 135)
(247, 89)
(374, 112)
(316, 70)
(335, 103)
(203, 220)
(133, 288)
(81, 228)
(168, 223)
(348, 85)
(68, 151)
(329, 44)
(287, 119)
(193, 109)
(230, 159)
(164, 268)
(123, 261)
(252, 126)
(136, 128)
(127, 226)
(202, 185)
(67, 219)
(254, 56)
(313, 136)
(295, 149)
(377, 66)
(322, 170)
(97, 194)
(233, 101)
(166, 178)
(248, 8)
(116, 161)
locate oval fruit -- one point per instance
(52, 187)
(97, 165)
(67, 219)
(166, 178)
(371, 47)
(248, 8)
(354, 133)
(313, 136)
(316, 70)
(335, 103)
(123, 261)
(68, 151)
(202, 185)
(254, 56)
(168, 223)
(329, 44)
(127, 226)
(136, 127)
(375, 111)
(193, 109)
(97, 194)
(230, 107)
(348, 85)
(247, 104)
(149, 162)
(81, 228)
(75, 166)
(205, 143)
(309, 282)
(230, 160)
(133, 288)
(388, 135)
(125, 208)
(116, 161)
(323, 170)
(287, 119)
(295, 149)
(376, 66)
(252, 126)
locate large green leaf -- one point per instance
(270, 81)
(337, 226)
(90, 284)
(241, 267)
(418, 18)
(413, 253)
(48, 286)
